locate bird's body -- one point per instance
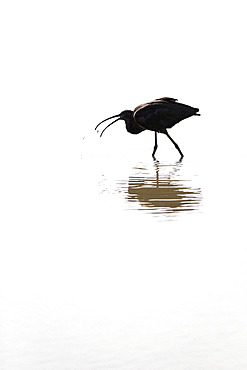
(157, 115)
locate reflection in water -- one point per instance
(158, 188)
(163, 193)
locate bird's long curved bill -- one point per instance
(110, 125)
(117, 115)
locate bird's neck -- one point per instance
(132, 127)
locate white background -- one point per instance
(84, 285)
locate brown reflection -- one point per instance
(165, 193)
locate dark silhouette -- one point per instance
(157, 115)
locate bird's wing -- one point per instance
(154, 102)
(163, 113)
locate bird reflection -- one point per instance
(163, 193)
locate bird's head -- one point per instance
(124, 115)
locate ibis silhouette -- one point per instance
(157, 115)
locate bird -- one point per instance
(157, 115)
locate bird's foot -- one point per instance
(181, 158)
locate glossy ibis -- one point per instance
(157, 115)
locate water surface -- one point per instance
(125, 263)
(159, 188)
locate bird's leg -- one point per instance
(155, 144)
(175, 144)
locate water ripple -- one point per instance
(160, 189)
(163, 192)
